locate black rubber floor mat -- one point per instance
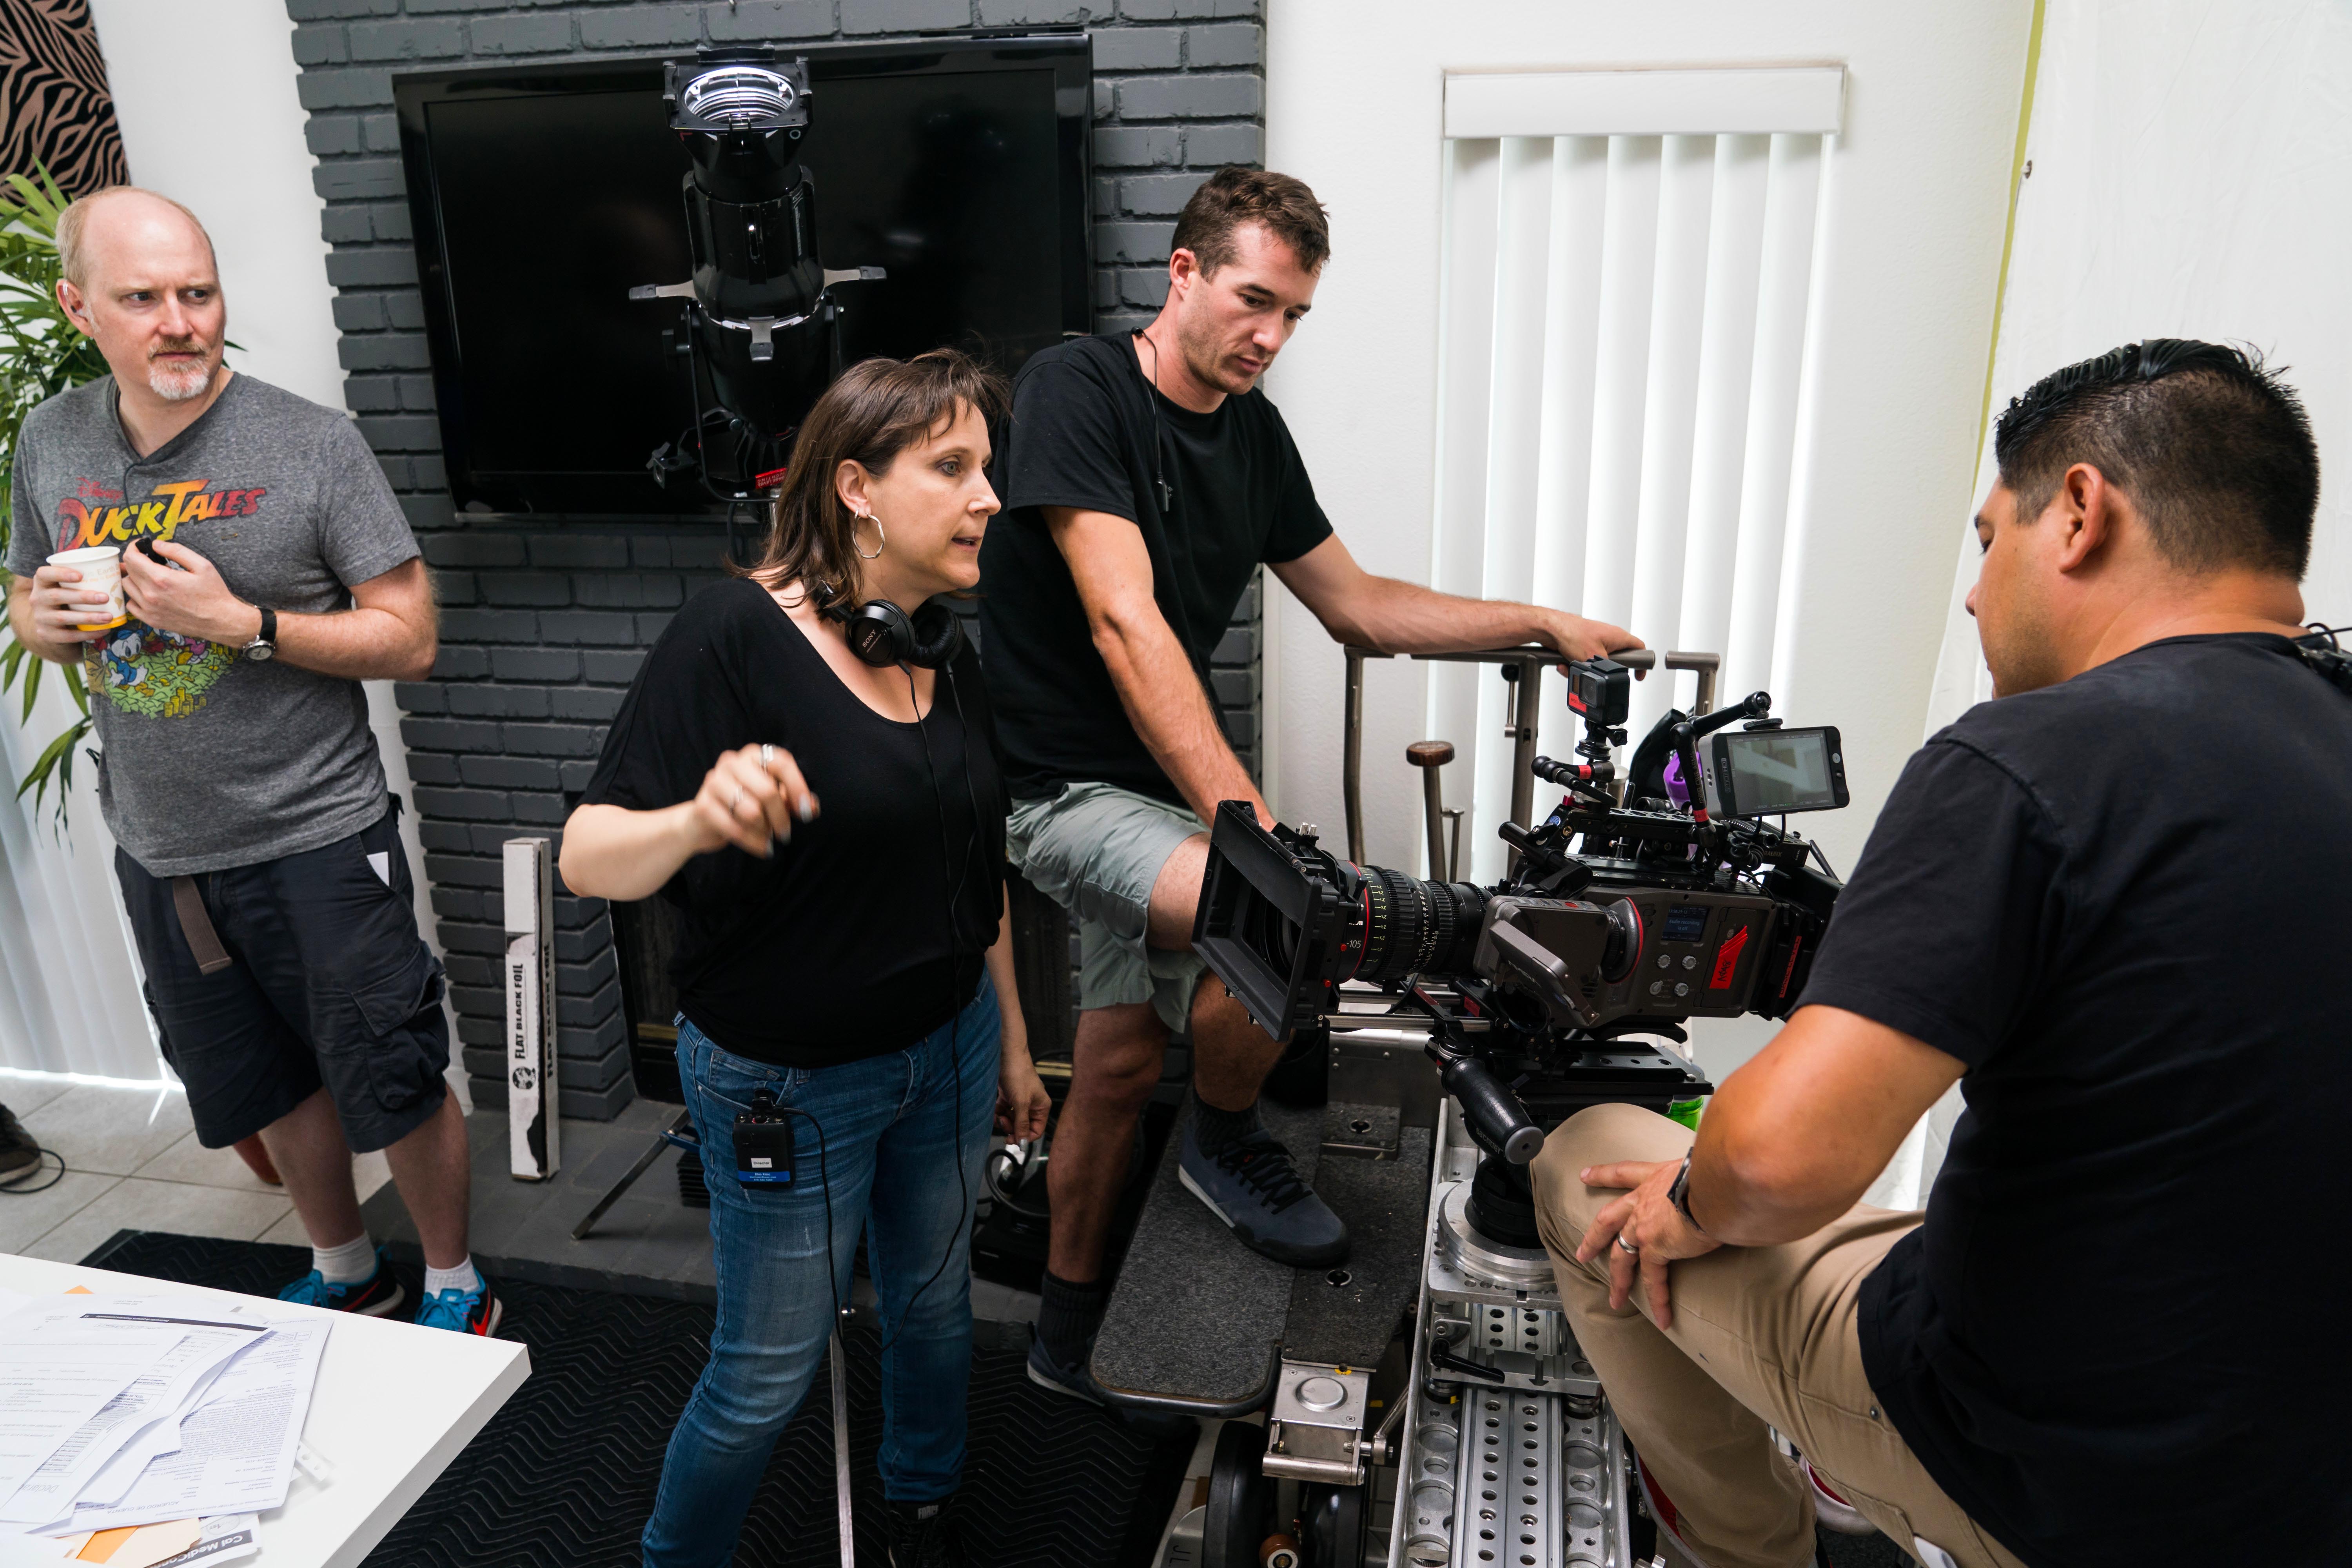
(565, 1473)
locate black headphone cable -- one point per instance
(955, 1054)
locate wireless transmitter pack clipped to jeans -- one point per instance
(763, 1143)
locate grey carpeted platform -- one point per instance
(1349, 1321)
(1199, 1318)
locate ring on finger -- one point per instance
(1626, 1247)
(736, 805)
(767, 755)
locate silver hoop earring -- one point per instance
(880, 539)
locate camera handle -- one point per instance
(1499, 1123)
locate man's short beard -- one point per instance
(181, 385)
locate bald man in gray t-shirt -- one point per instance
(266, 571)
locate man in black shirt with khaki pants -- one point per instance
(2111, 906)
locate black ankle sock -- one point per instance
(1213, 1128)
(1068, 1313)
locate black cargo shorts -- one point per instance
(328, 983)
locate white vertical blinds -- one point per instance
(1621, 353)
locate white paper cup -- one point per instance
(101, 566)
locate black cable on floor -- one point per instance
(16, 1189)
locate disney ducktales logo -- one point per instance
(81, 524)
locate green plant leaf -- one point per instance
(42, 353)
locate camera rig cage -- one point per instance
(1616, 920)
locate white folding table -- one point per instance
(394, 1405)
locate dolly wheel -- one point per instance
(1332, 1524)
(1239, 1499)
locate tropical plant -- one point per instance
(41, 355)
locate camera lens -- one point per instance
(1411, 926)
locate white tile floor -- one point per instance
(132, 1162)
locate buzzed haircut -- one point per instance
(71, 261)
(1235, 196)
(2214, 450)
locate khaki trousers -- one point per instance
(1762, 1337)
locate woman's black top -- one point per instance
(840, 946)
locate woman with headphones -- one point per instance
(805, 767)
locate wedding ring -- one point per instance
(767, 755)
(1622, 1247)
(736, 805)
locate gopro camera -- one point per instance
(1600, 692)
(763, 1143)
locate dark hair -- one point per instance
(1235, 196)
(2213, 448)
(877, 409)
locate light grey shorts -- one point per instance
(1096, 849)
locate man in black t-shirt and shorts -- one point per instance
(2110, 905)
(1145, 480)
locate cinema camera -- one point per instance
(1616, 920)
(763, 328)
(1641, 903)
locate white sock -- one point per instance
(461, 1278)
(353, 1263)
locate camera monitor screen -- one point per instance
(1764, 772)
(541, 195)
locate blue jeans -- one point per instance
(891, 1140)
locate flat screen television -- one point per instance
(541, 195)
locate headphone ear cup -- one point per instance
(937, 636)
(879, 634)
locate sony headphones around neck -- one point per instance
(882, 635)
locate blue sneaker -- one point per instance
(374, 1297)
(464, 1311)
(1252, 1185)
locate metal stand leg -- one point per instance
(841, 1451)
(645, 1162)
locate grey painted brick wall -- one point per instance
(544, 624)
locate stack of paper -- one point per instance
(122, 1410)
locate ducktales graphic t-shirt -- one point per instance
(209, 760)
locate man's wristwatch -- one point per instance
(265, 642)
(1679, 1195)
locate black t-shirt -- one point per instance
(2122, 901)
(838, 948)
(1084, 435)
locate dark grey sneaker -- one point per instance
(1252, 1185)
(922, 1535)
(1047, 1370)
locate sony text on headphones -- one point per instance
(882, 635)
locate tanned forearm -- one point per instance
(1171, 713)
(1008, 988)
(1795, 1137)
(359, 644)
(1149, 667)
(612, 852)
(1392, 616)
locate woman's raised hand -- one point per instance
(751, 798)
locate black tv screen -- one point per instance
(542, 194)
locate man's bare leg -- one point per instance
(1114, 1069)
(306, 1146)
(433, 1173)
(1231, 1056)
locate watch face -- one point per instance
(257, 651)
